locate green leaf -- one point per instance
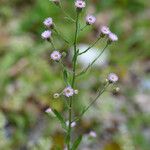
(65, 75)
(77, 143)
(60, 118)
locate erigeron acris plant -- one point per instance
(70, 90)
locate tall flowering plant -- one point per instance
(70, 90)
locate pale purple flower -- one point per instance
(105, 30)
(80, 4)
(112, 37)
(73, 124)
(48, 22)
(68, 91)
(93, 134)
(50, 112)
(90, 19)
(55, 55)
(112, 78)
(46, 35)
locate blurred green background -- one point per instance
(28, 78)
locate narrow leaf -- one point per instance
(65, 75)
(77, 143)
(60, 118)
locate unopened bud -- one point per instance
(117, 89)
(76, 91)
(64, 54)
(56, 95)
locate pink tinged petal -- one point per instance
(93, 134)
(112, 77)
(68, 91)
(113, 37)
(90, 19)
(55, 55)
(80, 4)
(48, 22)
(105, 30)
(46, 34)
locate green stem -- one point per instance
(90, 46)
(67, 16)
(83, 27)
(58, 33)
(52, 43)
(90, 65)
(94, 100)
(73, 81)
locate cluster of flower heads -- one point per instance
(105, 31)
(56, 55)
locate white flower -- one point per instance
(90, 19)
(48, 22)
(55, 55)
(112, 77)
(93, 134)
(105, 30)
(73, 124)
(112, 37)
(46, 34)
(68, 91)
(80, 4)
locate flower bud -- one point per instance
(56, 95)
(64, 54)
(76, 91)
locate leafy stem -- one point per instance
(73, 80)
(91, 64)
(100, 92)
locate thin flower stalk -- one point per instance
(100, 92)
(91, 64)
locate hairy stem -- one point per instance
(73, 80)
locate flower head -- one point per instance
(46, 35)
(49, 111)
(68, 91)
(112, 78)
(105, 30)
(93, 134)
(73, 124)
(112, 37)
(90, 19)
(55, 55)
(48, 22)
(79, 4)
